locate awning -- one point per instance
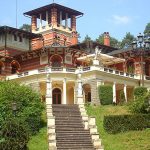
(103, 58)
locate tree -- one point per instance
(29, 107)
(113, 41)
(147, 30)
(87, 39)
(141, 103)
(13, 135)
(26, 27)
(127, 40)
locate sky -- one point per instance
(114, 16)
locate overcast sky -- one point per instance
(114, 16)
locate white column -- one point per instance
(48, 90)
(80, 90)
(66, 21)
(60, 17)
(46, 19)
(80, 93)
(125, 92)
(114, 92)
(40, 21)
(64, 92)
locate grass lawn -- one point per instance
(39, 141)
(132, 140)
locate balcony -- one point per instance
(83, 70)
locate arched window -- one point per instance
(56, 61)
(130, 66)
(15, 67)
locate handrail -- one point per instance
(75, 71)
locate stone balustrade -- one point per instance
(75, 71)
(49, 27)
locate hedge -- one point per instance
(121, 123)
(140, 91)
(105, 94)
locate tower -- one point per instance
(56, 23)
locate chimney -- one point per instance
(106, 39)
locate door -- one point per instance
(56, 96)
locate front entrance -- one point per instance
(56, 96)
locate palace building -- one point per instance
(51, 61)
(52, 48)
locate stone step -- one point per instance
(67, 114)
(72, 138)
(66, 111)
(69, 127)
(68, 120)
(66, 148)
(68, 123)
(65, 105)
(71, 145)
(74, 141)
(73, 130)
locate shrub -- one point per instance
(28, 104)
(141, 104)
(140, 91)
(14, 136)
(121, 123)
(105, 94)
(122, 97)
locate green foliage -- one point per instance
(105, 94)
(14, 135)
(121, 123)
(141, 103)
(147, 29)
(39, 141)
(130, 140)
(87, 39)
(29, 107)
(127, 40)
(122, 97)
(113, 41)
(26, 27)
(140, 91)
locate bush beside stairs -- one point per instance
(70, 128)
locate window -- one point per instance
(15, 37)
(14, 67)
(20, 38)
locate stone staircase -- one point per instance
(70, 132)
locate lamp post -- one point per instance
(14, 108)
(140, 45)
